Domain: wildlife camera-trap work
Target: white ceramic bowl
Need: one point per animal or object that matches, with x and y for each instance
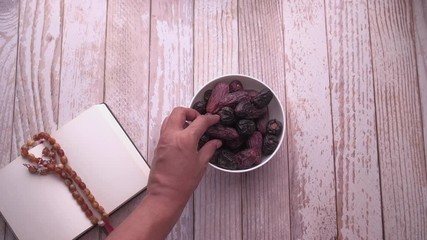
(275, 110)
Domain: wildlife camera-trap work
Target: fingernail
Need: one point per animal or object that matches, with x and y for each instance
(218, 144)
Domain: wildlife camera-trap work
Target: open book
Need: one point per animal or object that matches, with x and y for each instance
(98, 149)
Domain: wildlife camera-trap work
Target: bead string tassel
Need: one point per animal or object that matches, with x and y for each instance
(54, 160)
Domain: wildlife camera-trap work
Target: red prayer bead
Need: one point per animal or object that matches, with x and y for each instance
(24, 153)
(93, 220)
(44, 135)
(84, 207)
(75, 194)
(88, 213)
(90, 197)
(72, 187)
(45, 151)
(51, 166)
(58, 170)
(95, 204)
(30, 143)
(56, 146)
(77, 179)
(68, 182)
(68, 168)
(51, 140)
(31, 157)
(60, 152)
(80, 200)
(100, 209)
(64, 159)
(86, 191)
(82, 185)
(36, 137)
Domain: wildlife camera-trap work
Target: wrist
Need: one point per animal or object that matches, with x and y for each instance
(163, 198)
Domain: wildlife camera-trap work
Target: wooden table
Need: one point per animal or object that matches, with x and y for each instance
(351, 75)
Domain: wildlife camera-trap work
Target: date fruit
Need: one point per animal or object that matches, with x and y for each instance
(246, 127)
(261, 123)
(231, 99)
(270, 144)
(203, 140)
(235, 86)
(263, 98)
(245, 109)
(224, 159)
(207, 95)
(255, 142)
(246, 158)
(227, 116)
(218, 92)
(234, 144)
(274, 127)
(252, 93)
(200, 106)
(222, 132)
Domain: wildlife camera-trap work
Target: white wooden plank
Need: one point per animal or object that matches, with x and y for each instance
(310, 140)
(37, 83)
(37, 89)
(265, 192)
(217, 201)
(126, 75)
(9, 16)
(83, 53)
(353, 108)
(420, 15)
(82, 63)
(171, 78)
(399, 121)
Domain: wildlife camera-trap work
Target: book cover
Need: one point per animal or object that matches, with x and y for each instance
(99, 150)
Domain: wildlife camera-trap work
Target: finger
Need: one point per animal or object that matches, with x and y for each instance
(208, 150)
(179, 115)
(201, 123)
(164, 124)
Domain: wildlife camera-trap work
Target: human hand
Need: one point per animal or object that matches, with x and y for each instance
(177, 165)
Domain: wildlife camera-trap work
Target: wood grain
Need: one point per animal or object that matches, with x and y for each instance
(9, 16)
(83, 55)
(127, 64)
(217, 200)
(126, 75)
(37, 80)
(420, 15)
(351, 75)
(310, 140)
(265, 192)
(353, 108)
(399, 122)
(39, 56)
(171, 78)
(82, 65)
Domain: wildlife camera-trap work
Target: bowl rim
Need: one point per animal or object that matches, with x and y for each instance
(281, 109)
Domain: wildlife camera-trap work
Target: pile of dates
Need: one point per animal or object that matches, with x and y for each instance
(245, 128)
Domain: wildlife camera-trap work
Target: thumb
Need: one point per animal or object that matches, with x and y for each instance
(208, 150)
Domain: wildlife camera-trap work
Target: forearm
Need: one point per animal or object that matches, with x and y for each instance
(152, 219)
